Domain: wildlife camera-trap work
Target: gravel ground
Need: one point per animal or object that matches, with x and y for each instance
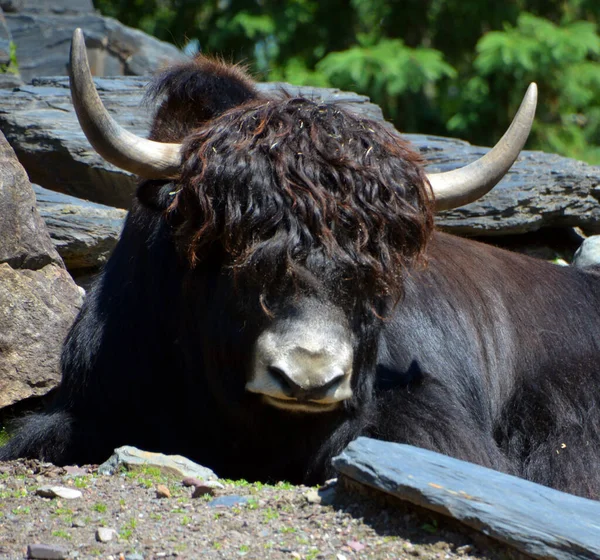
(276, 522)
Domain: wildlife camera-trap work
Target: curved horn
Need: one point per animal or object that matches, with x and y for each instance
(146, 158)
(462, 186)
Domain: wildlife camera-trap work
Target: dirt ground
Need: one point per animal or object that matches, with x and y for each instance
(280, 522)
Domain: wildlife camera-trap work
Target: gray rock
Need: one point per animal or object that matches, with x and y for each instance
(59, 6)
(541, 190)
(24, 242)
(105, 534)
(8, 80)
(588, 253)
(132, 458)
(84, 233)
(43, 39)
(38, 298)
(58, 492)
(46, 552)
(536, 520)
(5, 40)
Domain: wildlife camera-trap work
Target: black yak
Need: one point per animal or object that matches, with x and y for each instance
(279, 289)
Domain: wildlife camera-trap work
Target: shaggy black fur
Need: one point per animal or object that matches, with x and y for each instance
(462, 348)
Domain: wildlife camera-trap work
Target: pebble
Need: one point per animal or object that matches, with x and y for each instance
(162, 491)
(324, 496)
(134, 556)
(46, 552)
(75, 471)
(78, 523)
(104, 534)
(356, 545)
(58, 492)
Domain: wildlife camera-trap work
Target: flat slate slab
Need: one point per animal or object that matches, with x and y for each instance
(536, 520)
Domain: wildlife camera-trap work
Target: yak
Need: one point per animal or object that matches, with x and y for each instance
(279, 289)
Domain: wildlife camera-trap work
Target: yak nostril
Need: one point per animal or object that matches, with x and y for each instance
(283, 378)
(295, 390)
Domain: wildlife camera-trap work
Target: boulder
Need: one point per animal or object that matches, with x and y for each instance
(43, 39)
(540, 191)
(38, 298)
(537, 521)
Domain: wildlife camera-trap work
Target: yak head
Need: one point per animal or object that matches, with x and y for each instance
(306, 216)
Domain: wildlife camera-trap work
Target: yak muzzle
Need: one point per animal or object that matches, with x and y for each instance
(303, 365)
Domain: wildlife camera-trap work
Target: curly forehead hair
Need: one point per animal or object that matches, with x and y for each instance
(276, 181)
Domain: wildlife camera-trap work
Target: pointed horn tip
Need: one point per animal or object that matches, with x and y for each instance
(532, 92)
(77, 35)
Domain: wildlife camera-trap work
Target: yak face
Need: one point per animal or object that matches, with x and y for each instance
(308, 217)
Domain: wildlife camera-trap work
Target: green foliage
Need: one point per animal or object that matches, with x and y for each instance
(385, 70)
(13, 66)
(450, 67)
(563, 60)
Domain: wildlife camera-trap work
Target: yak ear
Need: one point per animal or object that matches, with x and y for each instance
(195, 92)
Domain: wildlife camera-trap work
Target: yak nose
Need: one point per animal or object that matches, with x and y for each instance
(306, 375)
(303, 367)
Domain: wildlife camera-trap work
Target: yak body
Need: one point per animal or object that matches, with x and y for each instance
(471, 351)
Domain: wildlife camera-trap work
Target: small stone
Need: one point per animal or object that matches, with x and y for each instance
(162, 491)
(104, 534)
(356, 546)
(465, 549)
(79, 523)
(312, 497)
(58, 492)
(134, 556)
(203, 490)
(132, 458)
(341, 557)
(46, 552)
(324, 496)
(75, 471)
